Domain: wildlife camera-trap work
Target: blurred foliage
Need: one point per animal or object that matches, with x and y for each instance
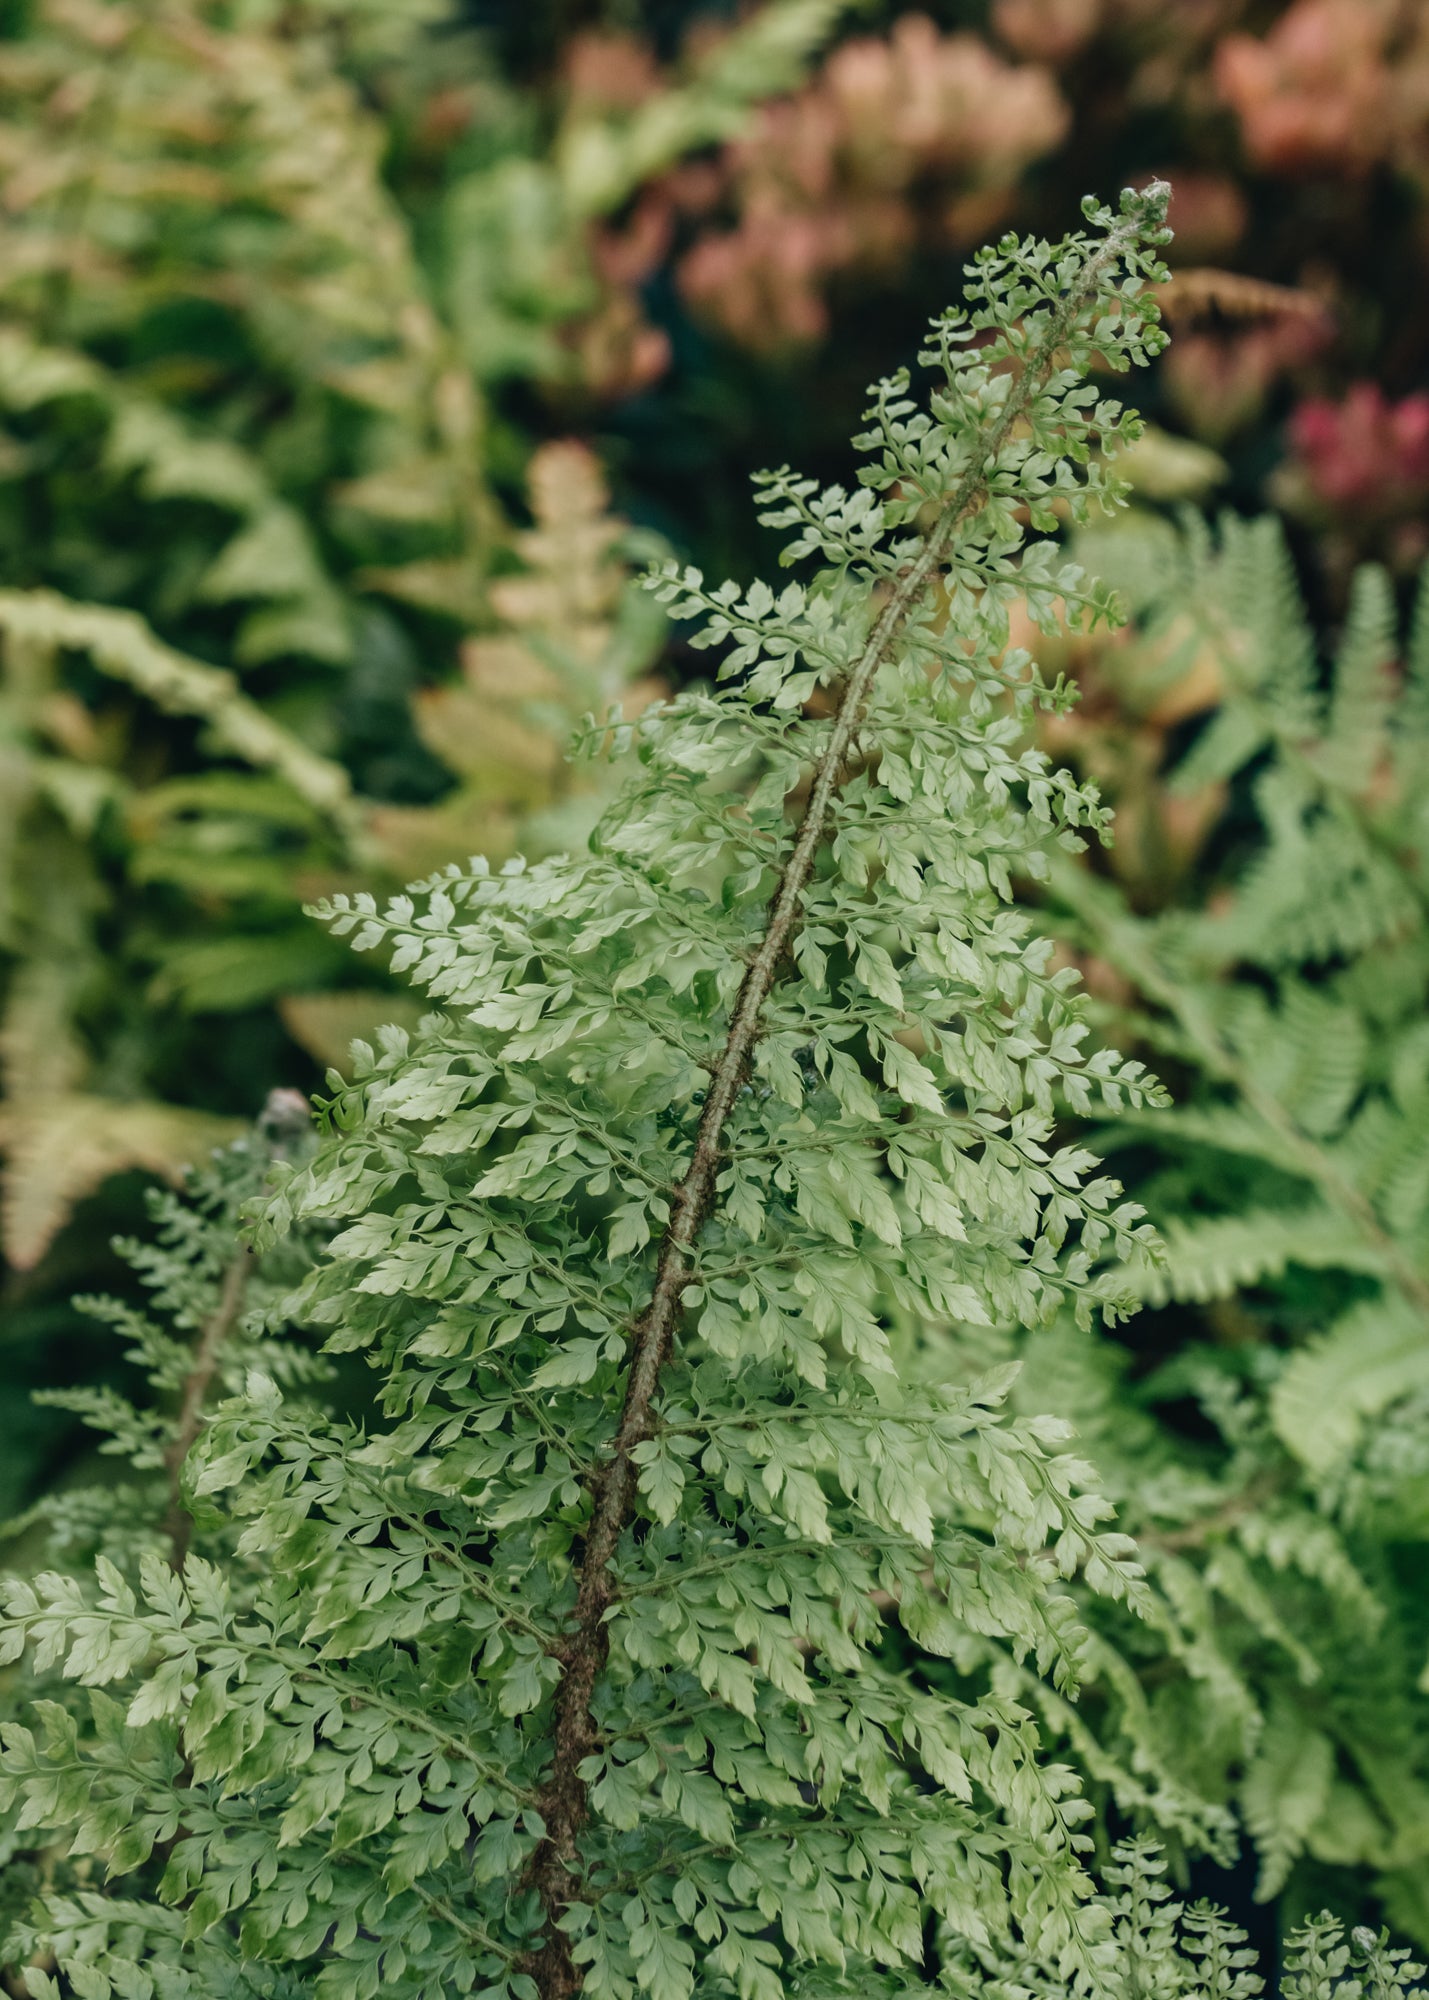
(269, 623)
(1259, 932)
(289, 294)
(1293, 135)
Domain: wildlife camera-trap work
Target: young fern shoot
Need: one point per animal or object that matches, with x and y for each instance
(569, 1678)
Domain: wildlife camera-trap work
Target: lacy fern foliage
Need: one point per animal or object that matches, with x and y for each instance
(208, 1317)
(254, 289)
(1291, 1185)
(567, 1675)
(1315, 1071)
(1152, 1947)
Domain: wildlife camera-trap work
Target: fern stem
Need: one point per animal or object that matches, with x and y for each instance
(282, 1121)
(564, 1800)
(178, 1524)
(1195, 1534)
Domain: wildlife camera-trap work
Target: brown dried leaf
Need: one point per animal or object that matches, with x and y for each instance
(572, 579)
(409, 842)
(418, 492)
(327, 1024)
(62, 1147)
(446, 586)
(481, 739)
(1190, 298)
(507, 668)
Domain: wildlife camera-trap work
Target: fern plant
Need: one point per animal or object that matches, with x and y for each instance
(210, 1319)
(1325, 1056)
(1268, 1451)
(566, 1676)
(183, 270)
(205, 1316)
(1152, 1947)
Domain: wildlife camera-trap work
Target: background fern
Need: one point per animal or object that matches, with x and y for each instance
(1256, 1424)
(269, 623)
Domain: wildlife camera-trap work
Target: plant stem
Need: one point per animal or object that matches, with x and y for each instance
(281, 1125)
(216, 1329)
(564, 1801)
(1195, 1534)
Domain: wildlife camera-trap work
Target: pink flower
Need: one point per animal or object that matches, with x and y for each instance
(610, 71)
(1051, 30)
(1218, 382)
(1315, 93)
(824, 181)
(1365, 452)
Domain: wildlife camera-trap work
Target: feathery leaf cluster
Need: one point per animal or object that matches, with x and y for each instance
(568, 1673)
(1287, 1531)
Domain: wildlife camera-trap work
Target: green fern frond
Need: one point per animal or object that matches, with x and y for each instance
(122, 645)
(1216, 1257)
(1152, 1947)
(1291, 1185)
(1377, 1352)
(1360, 897)
(1355, 737)
(1416, 681)
(1224, 1127)
(568, 1668)
(1284, 1793)
(1309, 1052)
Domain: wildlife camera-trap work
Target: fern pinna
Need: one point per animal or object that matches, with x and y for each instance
(1288, 1530)
(567, 1677)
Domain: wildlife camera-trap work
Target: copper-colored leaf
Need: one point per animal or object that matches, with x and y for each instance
(61, 1148)
(484, 741)
(327, 1024)
(1195, 296)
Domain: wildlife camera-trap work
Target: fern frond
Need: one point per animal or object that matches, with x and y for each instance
(1307, 1050)
(574, 638)
(1214, 1258)
(1225, 1127)
(571, 1663)
(1151, 1947)
(1291, 1185)
(122, 645)
(1284, 1793)
(1416, 680)
(1355, 738)
(1360, 898)
(60, 1148)
(211, 1314)
(1233, 1580)
(1375, 1353)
